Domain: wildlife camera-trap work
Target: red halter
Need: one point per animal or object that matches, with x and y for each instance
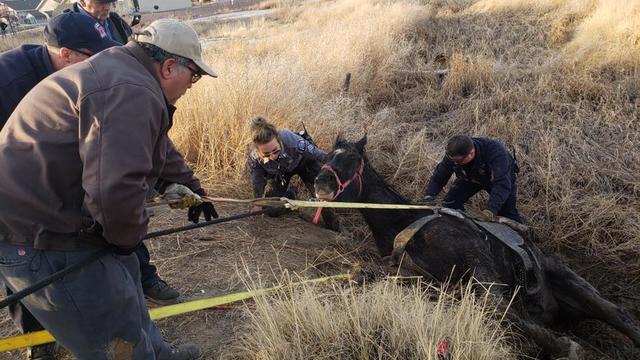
(342, 186)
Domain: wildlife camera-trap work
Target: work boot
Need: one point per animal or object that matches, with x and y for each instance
(42, 352)
(161, 293)
(185, 352)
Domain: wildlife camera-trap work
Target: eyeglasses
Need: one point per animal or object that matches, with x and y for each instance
(82, 52)
(271, 153)
(459, 160)
(195, 74)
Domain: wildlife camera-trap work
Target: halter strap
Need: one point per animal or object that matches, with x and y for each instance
(342, 186)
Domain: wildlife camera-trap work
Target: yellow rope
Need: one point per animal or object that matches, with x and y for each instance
(347, 205)
(294, 204)
(43, 337)
(273, 201)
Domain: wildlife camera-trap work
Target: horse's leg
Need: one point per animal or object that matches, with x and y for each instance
(556, 346)
(583, 300)
(551, 343)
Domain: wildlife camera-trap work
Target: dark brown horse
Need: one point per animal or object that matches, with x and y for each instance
(451, 248)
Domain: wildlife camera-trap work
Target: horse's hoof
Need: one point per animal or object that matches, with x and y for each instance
(574, 350)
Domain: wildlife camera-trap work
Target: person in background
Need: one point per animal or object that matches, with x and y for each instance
(480, 163)
(100, 10)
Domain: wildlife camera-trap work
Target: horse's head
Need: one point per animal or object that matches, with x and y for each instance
(340, 178)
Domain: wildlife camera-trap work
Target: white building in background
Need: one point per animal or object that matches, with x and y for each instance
(162, 5)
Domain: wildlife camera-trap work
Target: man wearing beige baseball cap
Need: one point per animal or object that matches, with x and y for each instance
(80, 155)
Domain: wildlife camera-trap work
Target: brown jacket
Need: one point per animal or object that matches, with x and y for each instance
(92, 136)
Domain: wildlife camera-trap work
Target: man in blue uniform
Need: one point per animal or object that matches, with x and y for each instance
(480, 163)
(70, 38)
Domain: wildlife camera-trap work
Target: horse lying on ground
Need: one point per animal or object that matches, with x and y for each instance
(448, 246)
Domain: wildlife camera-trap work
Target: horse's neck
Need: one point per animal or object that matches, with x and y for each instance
(384, 224)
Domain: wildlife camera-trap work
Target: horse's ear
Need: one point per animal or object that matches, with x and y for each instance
(339, 140)
(361, 144)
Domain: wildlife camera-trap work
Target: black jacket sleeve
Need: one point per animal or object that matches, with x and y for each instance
(440, 177)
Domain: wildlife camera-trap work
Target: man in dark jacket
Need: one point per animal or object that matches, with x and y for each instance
(155, 289)
(92, 140)
(116, 28)
(479, 164)
(70, 38)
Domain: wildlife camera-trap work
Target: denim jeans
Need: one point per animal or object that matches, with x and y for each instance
(26, 323)
(148, 273)
(95, 312)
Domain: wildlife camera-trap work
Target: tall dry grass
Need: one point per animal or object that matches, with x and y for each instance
(558, 80)
(381, 321)
(12, 40)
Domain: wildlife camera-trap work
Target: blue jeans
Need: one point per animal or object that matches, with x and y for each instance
(23, 319)
(95, 312)
(148, 273)
(27, 323)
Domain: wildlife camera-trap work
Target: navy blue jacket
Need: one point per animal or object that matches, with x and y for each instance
(492, 169)
(20, 70)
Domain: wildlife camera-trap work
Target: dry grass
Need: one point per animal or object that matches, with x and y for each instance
(556, 79)
(381, 321)
(10, 41)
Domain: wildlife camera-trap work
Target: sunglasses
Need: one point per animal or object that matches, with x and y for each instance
(195, 74)
(269, 154)
(459, 160)
(82, 52)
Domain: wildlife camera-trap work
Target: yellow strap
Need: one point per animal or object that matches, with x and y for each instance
(43, 337)
(293, 204)
(346, 205)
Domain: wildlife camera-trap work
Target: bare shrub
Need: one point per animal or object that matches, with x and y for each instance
(381, 321)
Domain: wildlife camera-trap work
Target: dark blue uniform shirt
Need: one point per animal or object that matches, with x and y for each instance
(492, 169)
(20, 70)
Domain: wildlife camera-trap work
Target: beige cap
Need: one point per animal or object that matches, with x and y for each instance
(177, 38)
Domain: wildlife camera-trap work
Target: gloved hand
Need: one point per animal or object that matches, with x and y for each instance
(181, 197)
(427, 200)
(206, 208)
(488, 215)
